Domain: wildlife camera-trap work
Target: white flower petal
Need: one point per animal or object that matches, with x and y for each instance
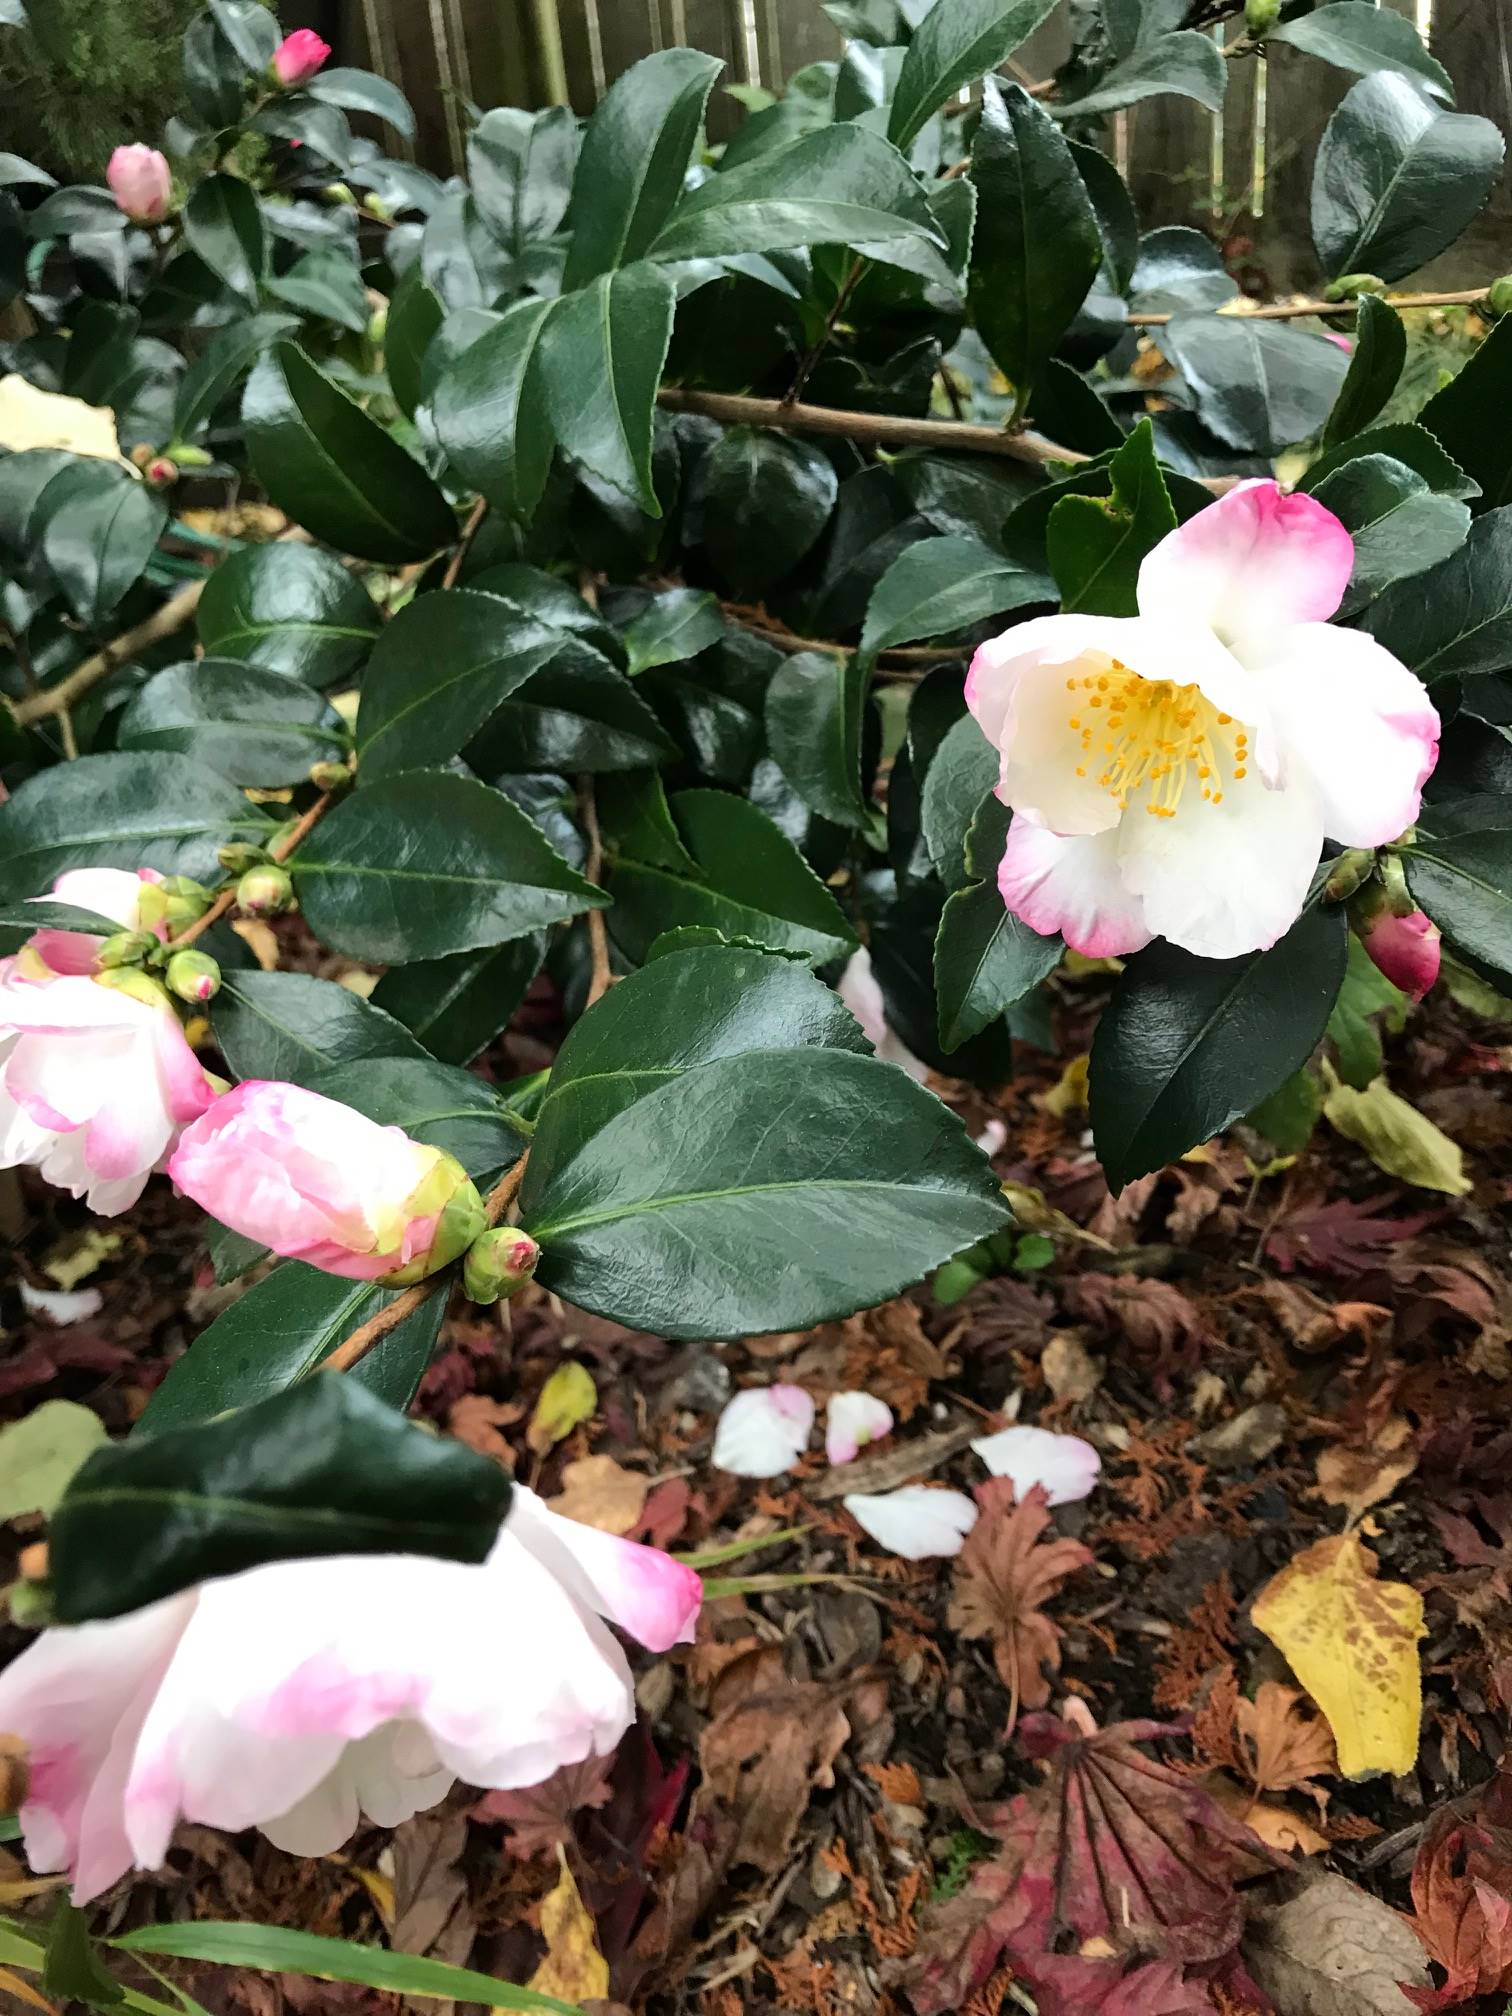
(1073, 885)
(916, 1522)
(859, 991)
(61, 1307)
(1065, 1465)
(851, 1420)
(763, 1432)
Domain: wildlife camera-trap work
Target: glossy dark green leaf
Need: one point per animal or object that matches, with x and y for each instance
(1464, 882)
(19, 920)
(675, 625)
(325, 286)
(291, 608)
(215, 77)
(1096, 544)
(127, 810)
(637, 821)
(814, 708)
(1037, 247)
(361, 91)
(322, 1468)
(751, 882)
(457, 1006)
(967, 495)
(275, 1949)
(1456, 417)
(766, 499)
(277, 1332)
(939, 587)
(841, 185)
(437, 672)
(1190, 1045)
(954, 46)
(1178, 268)
(97, 527)
(1397, 178)
(295, 1027)
(1066, 408)
(224, 227)
(335, 471)
(71, 1968)
(520, 167)
(1380, 351)
(552, 600)
(1260, 386)
(986, 960)
(427, 863)
(1399, 526)
(221, 365)
(414, 316)
(303, 120)
(70, 212)
(578, 713)
(634, 156)
(602, 353)
(1458, 618)
(16, 173)
(1185, 64)
(24, 476)
(251, 30)
(490, 414)
(436, 1103)
(255, 726)
(963, 770)
(684, 1009)
(1357, 35)
(1404, 441)
(1113, 206)
(687, 1213)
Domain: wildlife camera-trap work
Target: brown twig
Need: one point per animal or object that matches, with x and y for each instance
(911, 657)
(279, 851)
(1289, 311)
(602, 977)
(376, 1328)
(878, 430)
(469, 532)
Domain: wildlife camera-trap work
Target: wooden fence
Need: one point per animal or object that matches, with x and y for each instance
(1243, 173)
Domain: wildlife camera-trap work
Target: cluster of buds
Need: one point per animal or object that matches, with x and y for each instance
(1400, 939)
(263, 888)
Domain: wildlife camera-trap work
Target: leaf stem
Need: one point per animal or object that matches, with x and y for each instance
(279, 851)
(475, 518)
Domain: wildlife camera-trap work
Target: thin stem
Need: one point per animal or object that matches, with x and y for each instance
(821, 342)
(1289, 311)
(602, 976)
(469, 532)
(366, 1335)
(878, 430)
(279, 851)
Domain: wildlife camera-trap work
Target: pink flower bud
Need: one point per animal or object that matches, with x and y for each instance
(1406, 949)
(140, 182)
(298, 57)
(319, 1182)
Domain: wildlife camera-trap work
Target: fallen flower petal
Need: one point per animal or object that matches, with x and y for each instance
(851, 1421)
(916, 1522)
(1064, 1466)
(763, 1431)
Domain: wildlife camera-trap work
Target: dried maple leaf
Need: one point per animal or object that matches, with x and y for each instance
(1342, 1238)
(1467, 1547)
(1358, 1478)
(1286, 1745)
(596, 1491)
(1005, 1573)
(1114, 1859)
(539, 1817)
(1152, 1315)
(1462, 1906)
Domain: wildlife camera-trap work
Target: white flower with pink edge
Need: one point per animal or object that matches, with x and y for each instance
(96, 1076)
(301, 1696)
(1174, 774)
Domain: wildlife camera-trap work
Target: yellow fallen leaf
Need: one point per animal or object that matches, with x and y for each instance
(1069, 1094)
(568, 1398)
(75, 1258)
(1396, 1137)
(1352, 1642)
(574, 1969)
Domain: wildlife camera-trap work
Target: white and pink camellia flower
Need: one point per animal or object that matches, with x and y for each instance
(141, 182)
(315, 1180)
(96, 1076)
(298, 1696)
(1174, 774)
(1406, 949)
(299, 56)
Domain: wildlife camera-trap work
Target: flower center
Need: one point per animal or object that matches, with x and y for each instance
(1154, 737)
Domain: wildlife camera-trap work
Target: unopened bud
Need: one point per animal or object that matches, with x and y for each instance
(331, 776)
(160, 472)
(240, 855)
(193, 976)
(338, 192)
(265, 892)
(1499, 295)
(175, 901)
(125, 948)
(499, 1264)
(1260, 16)
(377, 328)
(450, 1197)
(1351, 284)
(376, 207)
(187, 456)
(1350, 872)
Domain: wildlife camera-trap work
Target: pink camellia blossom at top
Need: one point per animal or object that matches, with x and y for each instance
(315, 1180)
(96, 1075)
(141, 183)
(1406, 949)
(1174, 774)
(300, 1696)
(299, 56)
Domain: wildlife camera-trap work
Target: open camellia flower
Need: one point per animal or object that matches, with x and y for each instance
(1174, 774)
(297, 1696)
(317, 1181)
(96, 1075)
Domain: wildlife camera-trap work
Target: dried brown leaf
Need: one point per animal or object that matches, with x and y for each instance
(597, 1492)
(1005, 1574)
(1328, 1948)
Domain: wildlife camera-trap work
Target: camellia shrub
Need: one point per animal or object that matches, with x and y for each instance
(839, 575)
